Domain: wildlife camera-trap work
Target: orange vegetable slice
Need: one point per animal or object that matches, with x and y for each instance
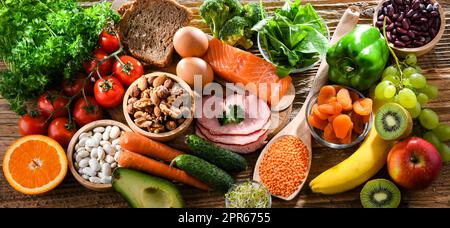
(342, 124)
(316, 112)
(35, 164)
(363, 106)
(317, 122)
(332, 108)
(343, 97)
(326, 93)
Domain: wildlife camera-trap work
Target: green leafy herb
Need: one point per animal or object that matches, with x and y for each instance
(234, 115)
(45, 41)
(294, 37)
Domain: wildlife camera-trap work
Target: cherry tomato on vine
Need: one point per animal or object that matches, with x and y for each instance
(104, 68)
(62, 130)
(72, 86)
(109, 41)
(33, 124)
(128, 70)
(52, 102)
(86, 111)
(108, 92)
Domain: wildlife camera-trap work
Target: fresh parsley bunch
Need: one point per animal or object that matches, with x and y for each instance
(45, 41)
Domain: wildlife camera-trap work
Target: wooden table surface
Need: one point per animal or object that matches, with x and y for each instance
(436, 65)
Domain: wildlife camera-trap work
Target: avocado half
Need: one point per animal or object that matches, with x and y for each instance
(144, 191)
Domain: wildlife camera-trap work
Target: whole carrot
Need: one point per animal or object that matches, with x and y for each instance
(136, 161)
(142, 145)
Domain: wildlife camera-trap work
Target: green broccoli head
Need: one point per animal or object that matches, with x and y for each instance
(237, 31)
(254, 12)
(217, 12)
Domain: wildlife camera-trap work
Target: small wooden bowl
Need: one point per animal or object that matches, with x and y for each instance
(71, 149)
(164, 136)
(418, 51)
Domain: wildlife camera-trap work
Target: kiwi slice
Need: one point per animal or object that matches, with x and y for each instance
(380, 193)
(392, 122)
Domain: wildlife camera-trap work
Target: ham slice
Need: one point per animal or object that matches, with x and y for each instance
(242, 149)
(234, 139)
(256, 114)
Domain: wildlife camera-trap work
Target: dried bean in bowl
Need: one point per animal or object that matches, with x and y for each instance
(414, 22)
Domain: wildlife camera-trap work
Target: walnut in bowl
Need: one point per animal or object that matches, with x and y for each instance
(159, 105)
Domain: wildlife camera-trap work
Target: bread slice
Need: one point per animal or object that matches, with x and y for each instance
(147, 28)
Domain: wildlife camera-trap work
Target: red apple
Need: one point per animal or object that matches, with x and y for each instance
(414, 163)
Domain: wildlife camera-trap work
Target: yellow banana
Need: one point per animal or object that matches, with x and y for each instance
(365, 162)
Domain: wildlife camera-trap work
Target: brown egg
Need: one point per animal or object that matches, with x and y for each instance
(190, 42)
(188, 67)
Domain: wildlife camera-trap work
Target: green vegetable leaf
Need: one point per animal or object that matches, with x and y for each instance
(234, 115)
(294, 37)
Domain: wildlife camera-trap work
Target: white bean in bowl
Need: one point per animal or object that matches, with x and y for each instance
(97, 154)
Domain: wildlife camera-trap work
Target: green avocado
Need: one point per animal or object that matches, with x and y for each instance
(144, 191)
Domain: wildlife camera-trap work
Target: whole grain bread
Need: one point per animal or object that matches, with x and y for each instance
(147, 28)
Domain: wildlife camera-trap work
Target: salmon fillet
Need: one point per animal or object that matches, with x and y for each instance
(238, 66)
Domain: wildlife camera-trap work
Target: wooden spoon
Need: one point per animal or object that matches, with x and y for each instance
(298, 126)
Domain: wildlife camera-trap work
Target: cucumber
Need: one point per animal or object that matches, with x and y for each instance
(223, 158)
(206, 172)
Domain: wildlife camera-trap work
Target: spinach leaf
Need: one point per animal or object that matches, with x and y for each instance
(294, 37)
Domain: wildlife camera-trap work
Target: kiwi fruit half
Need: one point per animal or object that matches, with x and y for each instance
(380, 193)
(392, 122)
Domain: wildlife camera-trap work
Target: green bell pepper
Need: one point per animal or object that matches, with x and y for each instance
(359, 58)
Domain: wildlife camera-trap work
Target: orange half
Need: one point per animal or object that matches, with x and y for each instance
(35, 164)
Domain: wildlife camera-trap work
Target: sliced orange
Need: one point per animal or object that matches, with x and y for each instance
(35, 164)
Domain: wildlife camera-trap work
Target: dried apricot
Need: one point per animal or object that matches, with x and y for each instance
(328, 134)
(343, 97)
(332, 108)
(347, 139)
(317, 122)
(316, 112)
(363, 106)
(342, 124)
(326, 93)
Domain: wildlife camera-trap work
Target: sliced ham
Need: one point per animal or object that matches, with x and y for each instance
(234, 139)
(256, 114)
(243, 149)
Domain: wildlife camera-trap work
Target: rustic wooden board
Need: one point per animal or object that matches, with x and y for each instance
(436, 65)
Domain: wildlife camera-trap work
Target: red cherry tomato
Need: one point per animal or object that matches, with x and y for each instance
(33, 124)
(104, 68)
(128, 71)
(108, 92)
(52, 102)
(73, 86)
(86, 111)
(109, 42)
(62, 131)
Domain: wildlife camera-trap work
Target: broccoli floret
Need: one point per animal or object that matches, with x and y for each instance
(254, 12)
(217, 12)
(237, 31)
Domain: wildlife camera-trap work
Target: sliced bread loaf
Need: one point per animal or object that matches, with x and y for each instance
(148, 26)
